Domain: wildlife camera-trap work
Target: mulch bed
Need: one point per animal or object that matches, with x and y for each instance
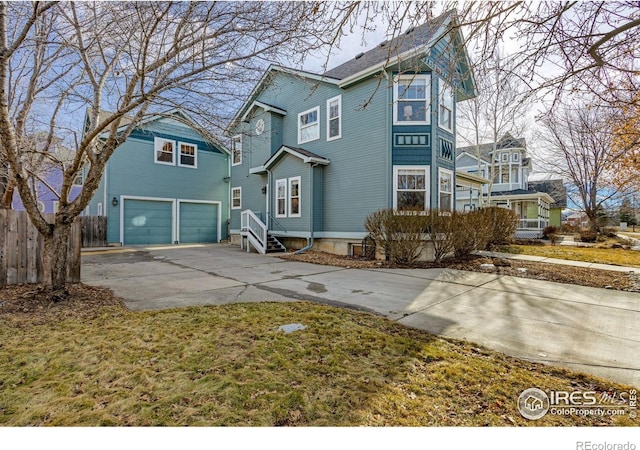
(540, 271)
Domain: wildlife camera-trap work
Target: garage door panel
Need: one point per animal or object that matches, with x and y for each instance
(198, 222)
(147, 222)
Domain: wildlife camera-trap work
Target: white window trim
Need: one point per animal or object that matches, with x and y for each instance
(317, 110)
(233, 149)
(157, 146)
(289, 198)
(427, 172)
(195, 155)
(281, 181)
(450, 173)
(442, 86)
(397, 78)
(56, 205)
(99, 209)
(239, 189)
(339, 135)
(515, 157)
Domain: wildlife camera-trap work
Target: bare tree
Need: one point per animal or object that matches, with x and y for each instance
(499, 108)
(579, 141)
(122, 62)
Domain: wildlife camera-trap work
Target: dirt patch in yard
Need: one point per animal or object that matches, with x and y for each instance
(30, 304)
(582, 276)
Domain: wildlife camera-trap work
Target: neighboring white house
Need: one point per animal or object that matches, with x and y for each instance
(508, 169)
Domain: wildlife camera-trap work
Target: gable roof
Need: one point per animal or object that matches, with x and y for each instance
(555, 188)
(175, 113)
(414, 38)
(413, 42)
(505, 142)
(305, 155)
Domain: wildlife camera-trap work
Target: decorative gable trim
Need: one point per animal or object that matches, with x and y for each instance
(304, 155)
(266, 107)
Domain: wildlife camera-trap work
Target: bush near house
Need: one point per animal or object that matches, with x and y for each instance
(402, 236)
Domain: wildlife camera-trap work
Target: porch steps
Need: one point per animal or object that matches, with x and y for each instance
(274, 245)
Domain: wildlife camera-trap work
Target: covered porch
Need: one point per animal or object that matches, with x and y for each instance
(469, 191)
(531, 208)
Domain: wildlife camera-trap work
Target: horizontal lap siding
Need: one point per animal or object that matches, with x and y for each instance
(357, 180)
(133, 172)
(291, 166)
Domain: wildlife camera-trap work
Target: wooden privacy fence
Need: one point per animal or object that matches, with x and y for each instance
(94, 231)
(22, 249)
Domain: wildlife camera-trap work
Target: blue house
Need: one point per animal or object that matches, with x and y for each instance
(48, 192)
(166, 184)
(314, 154)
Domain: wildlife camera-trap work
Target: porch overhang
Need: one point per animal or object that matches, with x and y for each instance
(304, 155)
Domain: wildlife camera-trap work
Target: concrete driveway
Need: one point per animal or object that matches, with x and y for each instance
(586, 329)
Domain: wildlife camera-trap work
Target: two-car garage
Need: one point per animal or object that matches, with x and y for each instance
(145, 221)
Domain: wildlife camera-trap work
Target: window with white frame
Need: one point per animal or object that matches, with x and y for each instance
(164, 151)
(445, 110)
(445, 189)
(504, 157)
(410, 188)
(236, 198)
(236, 150)
(334, 118)
(294, 197)
(515, 157)
(309, 125)
(411, 95)
(99, 208)
(56, 205)
(188, 155)
(281, 198)
(78, 180)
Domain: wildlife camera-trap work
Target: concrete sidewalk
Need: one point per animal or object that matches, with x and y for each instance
(586, 329)
(562, 262)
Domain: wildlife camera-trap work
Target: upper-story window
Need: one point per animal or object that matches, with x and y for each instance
(504, 157)
(515, 157)
(445, 110)
(164, 151)
(411, 95)
(236, 150)
(309, 125)
(334, 118)
(188, 155)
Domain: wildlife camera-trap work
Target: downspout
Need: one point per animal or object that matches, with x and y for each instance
(310, 238)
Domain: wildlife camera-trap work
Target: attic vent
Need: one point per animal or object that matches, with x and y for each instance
(410, 30)
(359, 55)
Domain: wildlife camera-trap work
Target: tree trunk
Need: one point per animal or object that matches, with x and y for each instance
(56, 251)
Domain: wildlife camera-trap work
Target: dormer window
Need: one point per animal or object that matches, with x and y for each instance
(412, 98)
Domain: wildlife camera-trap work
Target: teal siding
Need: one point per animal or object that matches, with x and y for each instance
(288, 167)
(147, 222)
(133, 172)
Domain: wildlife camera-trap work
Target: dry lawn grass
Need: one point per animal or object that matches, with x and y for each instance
(615, 256)
(229, 365)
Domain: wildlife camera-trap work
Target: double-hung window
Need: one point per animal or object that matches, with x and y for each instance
(445, 189)
(281, 198)
(410, 185)
(445, 110)
(294, 197)
(334, 118)
(188, 155)
(309, 125)
(236, 198)
(164, 151)
(236, 150)
(411, 95)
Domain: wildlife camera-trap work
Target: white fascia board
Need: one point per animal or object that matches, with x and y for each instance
(259, 169)
(267, 108)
